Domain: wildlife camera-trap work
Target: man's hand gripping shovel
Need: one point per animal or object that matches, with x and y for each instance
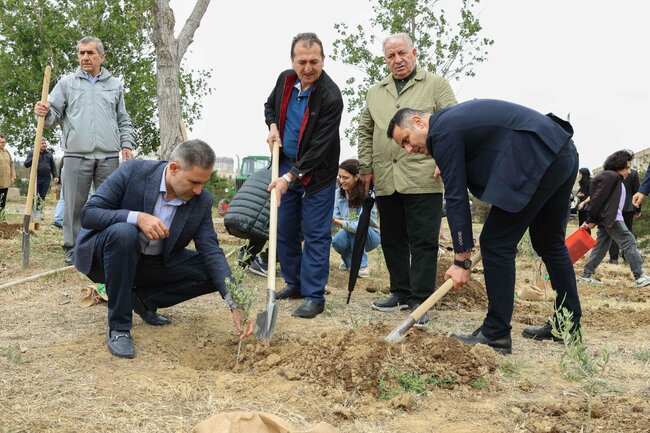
(399, 332)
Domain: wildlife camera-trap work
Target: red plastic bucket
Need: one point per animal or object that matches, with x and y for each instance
(579, 243)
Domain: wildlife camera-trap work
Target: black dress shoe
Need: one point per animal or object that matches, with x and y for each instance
(149, 316)
(542, 333)
(501, 345)
(120, 344)
(308, 309)
(288, 293)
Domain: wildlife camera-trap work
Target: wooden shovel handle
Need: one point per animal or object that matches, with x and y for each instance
(438, 294)
(273, 218)
(37, 143)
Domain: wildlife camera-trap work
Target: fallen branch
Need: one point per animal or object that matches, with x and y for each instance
(35, 277)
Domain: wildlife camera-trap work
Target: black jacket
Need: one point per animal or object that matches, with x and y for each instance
(319, 146)
(605, 195)
(248, 212)
(46, 164)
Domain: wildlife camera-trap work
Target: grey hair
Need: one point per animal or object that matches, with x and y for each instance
(403, 36)
(3, 136)
(194, 153)
(400, 118)
(89, 40)
(309, 39)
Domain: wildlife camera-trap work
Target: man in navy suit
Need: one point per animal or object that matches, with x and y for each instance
(135, 231)
(524, 164)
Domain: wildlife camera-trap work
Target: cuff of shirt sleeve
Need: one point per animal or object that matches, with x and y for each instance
(231, 302)
(133, 217)
(127, 145)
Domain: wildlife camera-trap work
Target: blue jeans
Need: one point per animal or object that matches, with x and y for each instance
(545, 216)
(58, 211)
(343, 242)
(305, 267)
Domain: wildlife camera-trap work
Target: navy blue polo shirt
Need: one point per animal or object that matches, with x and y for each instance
(295, 115)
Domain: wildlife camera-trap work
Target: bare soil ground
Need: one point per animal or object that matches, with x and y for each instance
(56, 374)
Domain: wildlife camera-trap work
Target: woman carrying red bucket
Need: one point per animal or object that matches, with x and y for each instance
(607, 197)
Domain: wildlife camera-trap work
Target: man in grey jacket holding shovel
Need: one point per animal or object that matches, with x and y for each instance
(89, 105)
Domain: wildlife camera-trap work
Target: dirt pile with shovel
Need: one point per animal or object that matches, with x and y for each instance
(361, 362)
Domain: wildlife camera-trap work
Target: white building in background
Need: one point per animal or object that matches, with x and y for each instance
(225, 167)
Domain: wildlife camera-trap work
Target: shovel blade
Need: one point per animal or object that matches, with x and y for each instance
(265, 321)
(397, 334)
(25, 248)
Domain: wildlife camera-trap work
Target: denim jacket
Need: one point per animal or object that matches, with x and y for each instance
(350, 216)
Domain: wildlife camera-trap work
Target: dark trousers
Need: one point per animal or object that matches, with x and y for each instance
(42, 187)
(118, 262)
(253, 248)
(410, 227)
(305, 266)
(546, 217)
(582, 218)
(3, 197)
(614, 248)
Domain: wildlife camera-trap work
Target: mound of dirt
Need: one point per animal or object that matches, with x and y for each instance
(362, 362)
(7, 230)
(471, 296)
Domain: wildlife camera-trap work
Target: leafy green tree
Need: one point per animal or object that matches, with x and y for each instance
(35, 32)
(449, 49)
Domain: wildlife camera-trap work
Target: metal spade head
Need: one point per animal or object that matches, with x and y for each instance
(265, 321)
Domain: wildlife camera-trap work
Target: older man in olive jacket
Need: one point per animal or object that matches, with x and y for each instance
(409, 198)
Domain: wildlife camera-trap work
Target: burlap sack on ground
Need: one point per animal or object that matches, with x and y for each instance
(253, 422)
(90, 296)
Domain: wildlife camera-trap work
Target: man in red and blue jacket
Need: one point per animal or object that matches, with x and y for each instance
(303, 113)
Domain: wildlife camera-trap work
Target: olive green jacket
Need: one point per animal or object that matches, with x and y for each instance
(393, 168)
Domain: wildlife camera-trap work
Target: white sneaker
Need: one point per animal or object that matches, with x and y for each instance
(643, 281)
(365, 273)
(591, 280)
(343, 267)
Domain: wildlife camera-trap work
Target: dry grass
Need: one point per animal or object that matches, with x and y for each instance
(56, 374)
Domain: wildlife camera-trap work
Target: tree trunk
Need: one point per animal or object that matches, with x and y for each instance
(169, 54)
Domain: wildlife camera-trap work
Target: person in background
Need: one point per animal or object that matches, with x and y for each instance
(631, 184)
(89, 105)
(348, 204)
(409, 198)
(7, 174)
(584, 178)
(247, 217)
(46, 172)
(303, 113)
(57, 219)
(607, 201)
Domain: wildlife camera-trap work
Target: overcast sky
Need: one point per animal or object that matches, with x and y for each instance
(587, 58)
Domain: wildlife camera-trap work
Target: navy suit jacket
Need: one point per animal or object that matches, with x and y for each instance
(496, 149)
(135, 186)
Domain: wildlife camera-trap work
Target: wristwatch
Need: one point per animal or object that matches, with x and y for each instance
(465, 264)
(288, 178)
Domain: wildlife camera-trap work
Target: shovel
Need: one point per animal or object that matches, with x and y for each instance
(397, 334)
(265, 322)
(32, 175)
